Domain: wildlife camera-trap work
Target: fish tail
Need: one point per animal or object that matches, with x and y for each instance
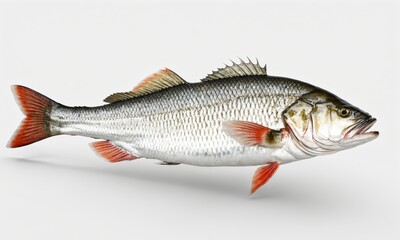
(36, 125)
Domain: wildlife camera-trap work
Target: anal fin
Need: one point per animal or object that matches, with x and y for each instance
(112, 152)
(262, 175)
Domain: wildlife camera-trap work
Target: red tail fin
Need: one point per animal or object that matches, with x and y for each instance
(35, 126)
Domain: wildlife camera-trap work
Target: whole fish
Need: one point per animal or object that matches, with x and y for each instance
(236, 116)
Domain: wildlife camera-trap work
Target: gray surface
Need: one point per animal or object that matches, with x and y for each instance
(80, 53)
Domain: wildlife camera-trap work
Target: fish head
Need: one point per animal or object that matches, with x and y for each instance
(322, 123)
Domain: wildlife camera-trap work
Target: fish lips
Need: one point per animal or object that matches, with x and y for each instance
(358, 134)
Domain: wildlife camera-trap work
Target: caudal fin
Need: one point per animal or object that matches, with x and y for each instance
(35, 126)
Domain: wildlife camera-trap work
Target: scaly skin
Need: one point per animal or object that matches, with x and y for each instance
(182, 124)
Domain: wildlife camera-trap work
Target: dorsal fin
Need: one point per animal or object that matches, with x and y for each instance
(162, 79)
(236, 70)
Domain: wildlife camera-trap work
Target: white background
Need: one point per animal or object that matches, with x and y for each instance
(79, 53)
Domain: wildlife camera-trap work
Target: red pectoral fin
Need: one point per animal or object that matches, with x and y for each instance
(262, 175)
(246, 133)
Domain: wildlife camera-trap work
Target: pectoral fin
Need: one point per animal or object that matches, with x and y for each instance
(252, 134)
(262, 175)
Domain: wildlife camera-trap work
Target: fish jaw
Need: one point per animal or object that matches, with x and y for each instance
(358, 134)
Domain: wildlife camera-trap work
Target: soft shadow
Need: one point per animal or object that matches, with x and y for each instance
(286, 190)
(308, 195)
(185, 179)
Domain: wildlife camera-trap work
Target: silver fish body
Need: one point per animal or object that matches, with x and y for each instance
(236, 116)
(183, 124)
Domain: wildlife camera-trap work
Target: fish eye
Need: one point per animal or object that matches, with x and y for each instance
(344, 112)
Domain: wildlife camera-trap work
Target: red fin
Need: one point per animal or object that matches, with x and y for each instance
(112, 152)
(262, 175)
(160, 80)
(246, 133)
(35, 126)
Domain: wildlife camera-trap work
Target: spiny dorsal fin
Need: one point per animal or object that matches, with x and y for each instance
(237, 70)
(162, 79)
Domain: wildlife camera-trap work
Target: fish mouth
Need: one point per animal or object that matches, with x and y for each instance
(359, 131)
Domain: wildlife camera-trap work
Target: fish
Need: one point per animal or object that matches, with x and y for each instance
(237, 115)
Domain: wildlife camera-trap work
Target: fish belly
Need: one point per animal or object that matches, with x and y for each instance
(195, 136)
